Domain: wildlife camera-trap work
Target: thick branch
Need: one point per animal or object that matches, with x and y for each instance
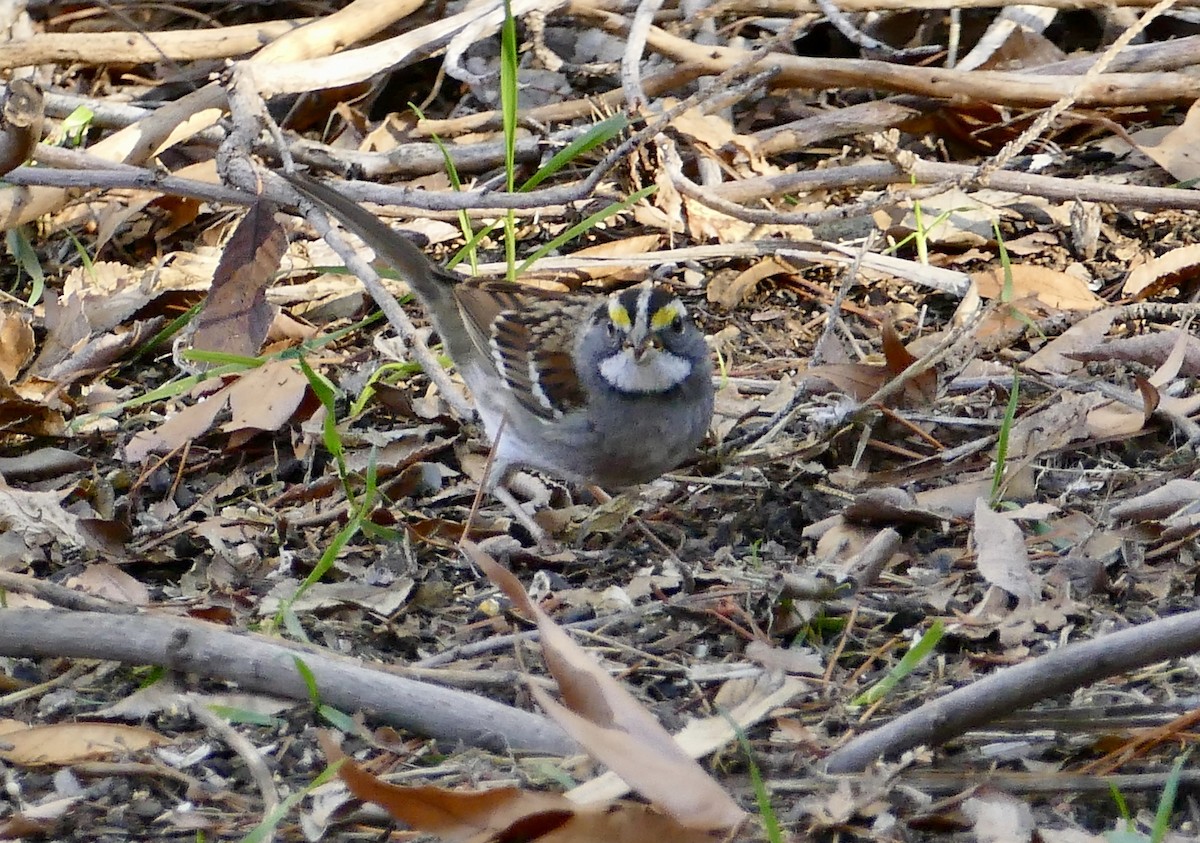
(999, 694)
(265, 667)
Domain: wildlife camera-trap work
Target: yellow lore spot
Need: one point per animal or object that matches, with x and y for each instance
(619, 315)
(666, 315)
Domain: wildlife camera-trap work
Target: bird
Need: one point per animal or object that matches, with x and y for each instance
(609, 390)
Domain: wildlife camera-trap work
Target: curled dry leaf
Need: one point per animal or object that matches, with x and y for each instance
(1159, 274)
(922, 387)
(613, 726)
(511, 814)
(16, 343)
(731, 289)
(21, 119)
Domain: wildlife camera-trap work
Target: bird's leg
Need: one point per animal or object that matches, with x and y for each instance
(494, 478)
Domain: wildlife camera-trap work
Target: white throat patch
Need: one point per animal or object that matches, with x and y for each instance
(658, 372)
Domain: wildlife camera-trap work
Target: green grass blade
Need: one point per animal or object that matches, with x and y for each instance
(585, 224)
(264, 829)
(310, 681)
(464, 219)
(601, 133)
(26, 258)
(1166, 802)
(907, 664)
(508, 107)
(1010, 415)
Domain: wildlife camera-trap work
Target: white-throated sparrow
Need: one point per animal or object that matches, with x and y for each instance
(610, 390)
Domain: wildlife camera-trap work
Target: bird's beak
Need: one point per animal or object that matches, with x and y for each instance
(642, 346)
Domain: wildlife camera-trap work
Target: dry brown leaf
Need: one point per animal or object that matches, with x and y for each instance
(510, 814)
(731, 289)
(889, 505)
(919, 389)
(16, 343)
(1159, 274)
(106, 580)
(236, 316)
(707, 225)
(1052, 288)
(638, 244)
(1000, 553)
(72, 742)
(857, 380)
(712, 130)
(1178, 150)
(1113, 419)
(186, 425)
(266, 398)
(28, 415)
(1055, 356)
(39, 518)
(614, 727)
(956, 500)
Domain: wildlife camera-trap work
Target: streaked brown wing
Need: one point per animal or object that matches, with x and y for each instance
(531, 352)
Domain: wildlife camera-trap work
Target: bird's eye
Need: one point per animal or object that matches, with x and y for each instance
(677, 325)
(612, 328)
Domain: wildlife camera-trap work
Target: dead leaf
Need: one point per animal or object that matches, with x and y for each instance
(186, 425)
(266, 398)
(731, 289)
(1055, 357)
(236, 317)
(1178, 150)
(21, 415)
(72, 742)
(613, 726)
(1052, 288)
(1000, 553)
(106, 580)
(16, 343)
(919, 389)
(22, 115)
(510, 814)
(858, 380)
(39, 518)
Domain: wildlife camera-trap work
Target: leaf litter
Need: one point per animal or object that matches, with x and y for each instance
(813, 536)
